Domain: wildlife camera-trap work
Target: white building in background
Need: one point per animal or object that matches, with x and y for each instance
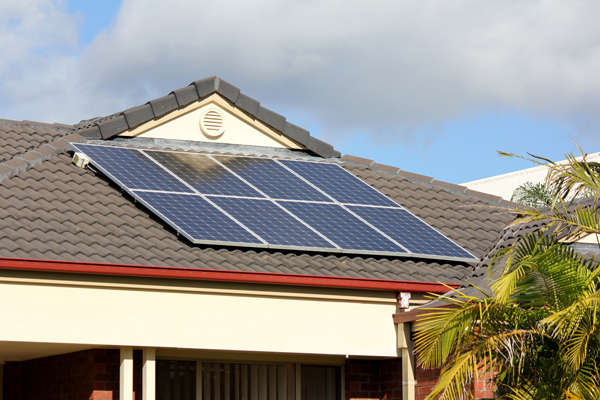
(504, 185)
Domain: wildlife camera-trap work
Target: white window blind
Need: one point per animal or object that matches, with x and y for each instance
(233, 381)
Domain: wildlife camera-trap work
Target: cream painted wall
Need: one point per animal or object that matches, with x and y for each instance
(180, 319)
(187, 127)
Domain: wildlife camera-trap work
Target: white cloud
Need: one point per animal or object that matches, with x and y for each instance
(382, 66)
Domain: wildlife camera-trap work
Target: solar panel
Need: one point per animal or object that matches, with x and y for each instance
(260, 202)
(204, 174)
(271, 222)
(271, 178)
(409, 231)
(132, 169)
(341, 227)
(338, 183)
(196, 218)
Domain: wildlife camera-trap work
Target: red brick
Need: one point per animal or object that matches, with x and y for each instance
(371, 387)
(354, 369)
(101, 395)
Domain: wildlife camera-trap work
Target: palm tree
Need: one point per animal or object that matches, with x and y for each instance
(532, 195)
(537, 327)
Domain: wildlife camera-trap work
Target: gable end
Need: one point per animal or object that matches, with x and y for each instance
(110, 126)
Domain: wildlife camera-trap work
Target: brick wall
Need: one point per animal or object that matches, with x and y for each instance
(391, 379)
(426, 380)
(482, 388)
(83, 375)
(373, 379)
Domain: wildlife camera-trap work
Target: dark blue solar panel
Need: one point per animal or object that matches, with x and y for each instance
(410, 232)
(196, 218)
(271, 222)
(132, 168)
(338, 183)
(271, 178)
(204, 174)
(200, 221)
(341, 227)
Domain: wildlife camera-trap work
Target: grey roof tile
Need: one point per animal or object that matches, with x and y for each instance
(206, 86)
(320, 147)
(227, 90)
(138, 115)
(271, 118)
(111, 126)
(296, 133)
(185, 95)
(163, 105)
(92, 132)
(248, 104)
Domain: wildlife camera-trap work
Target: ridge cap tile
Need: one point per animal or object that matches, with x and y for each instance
(163, 105)
(186, 95)
(227, 90)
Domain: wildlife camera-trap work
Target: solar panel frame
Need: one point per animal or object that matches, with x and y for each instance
(162, 185)
(360, 188)
(268, 184)
(343, 230)
(348, 207)
(143, 196)
(404, 238)
(272, 226)
(204, 181)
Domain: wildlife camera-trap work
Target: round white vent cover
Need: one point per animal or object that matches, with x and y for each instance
(212, 123)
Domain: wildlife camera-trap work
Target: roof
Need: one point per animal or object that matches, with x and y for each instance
(112, 125)
(480, 280)
(504, 185)
(54, 210)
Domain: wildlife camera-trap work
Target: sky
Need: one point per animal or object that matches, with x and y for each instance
(431, 86)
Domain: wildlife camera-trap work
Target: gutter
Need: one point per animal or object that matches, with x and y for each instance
(23, 264)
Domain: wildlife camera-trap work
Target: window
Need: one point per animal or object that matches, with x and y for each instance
(176, 380)
(228, 381)
(320, 382)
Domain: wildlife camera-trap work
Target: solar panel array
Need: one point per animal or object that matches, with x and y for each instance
(263, 202)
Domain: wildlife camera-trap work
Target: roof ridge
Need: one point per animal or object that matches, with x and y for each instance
(26, 160)
(428, 180)
(33, 124)
(111, 125)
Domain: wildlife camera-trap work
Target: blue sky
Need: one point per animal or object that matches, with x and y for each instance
(433, 87)
(95, 15)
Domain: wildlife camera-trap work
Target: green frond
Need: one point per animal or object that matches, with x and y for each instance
(539, 329)
(442, 329)
(470, 363)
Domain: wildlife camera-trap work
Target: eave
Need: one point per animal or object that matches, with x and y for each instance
(22, 264)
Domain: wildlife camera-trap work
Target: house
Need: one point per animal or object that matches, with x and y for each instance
(505, 185)
(109, 297)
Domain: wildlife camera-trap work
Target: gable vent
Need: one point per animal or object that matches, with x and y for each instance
(212, 123)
